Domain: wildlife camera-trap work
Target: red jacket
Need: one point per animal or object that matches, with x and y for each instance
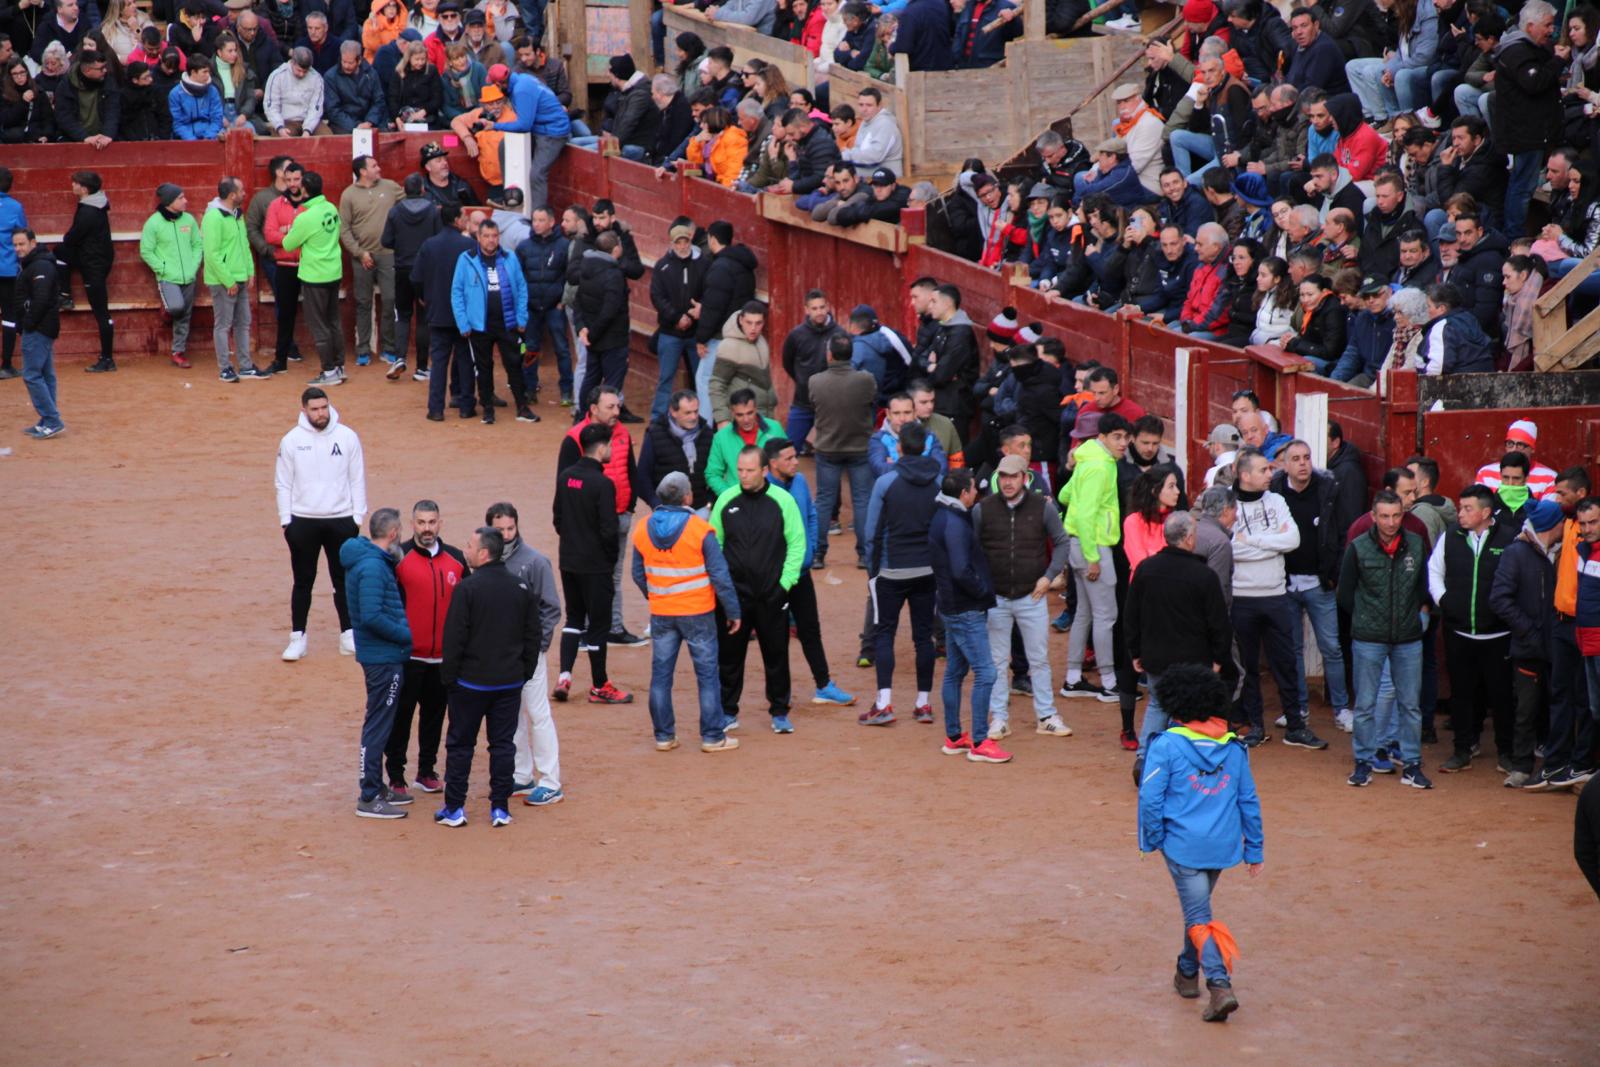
(435, 44)
(1361, 152)
(617, 468)
(810, 35)
(280, 216)
(426, 584)
(1203, 287)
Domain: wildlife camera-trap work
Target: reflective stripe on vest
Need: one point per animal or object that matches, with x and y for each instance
(676, 578)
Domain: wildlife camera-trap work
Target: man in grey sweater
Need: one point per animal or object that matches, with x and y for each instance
(842, 401)
(293, 101)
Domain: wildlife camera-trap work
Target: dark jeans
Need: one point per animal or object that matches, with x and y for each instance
(449, 359)
(95, 288)
(888, 594)
(322, 315)
(1529, 684)
(307, 538)
(609, 365)
(286, 306)
(768, 623)
(699, 634)
(588, 598)
(383, 695)
(798, 426)
(469, 708)
(808, 627)
(1570, 739)
(553, 320)
(830, 468)
(422, 687)
(483, 346)
(408, 306)
(1269, 619)
(1480, 683)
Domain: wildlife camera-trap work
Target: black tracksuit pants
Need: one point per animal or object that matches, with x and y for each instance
(768, 623)
(468, 709)
(808, 627)
(1480, 687)
(588, 598)
(483, 346)
(307, 538)
(422, 687)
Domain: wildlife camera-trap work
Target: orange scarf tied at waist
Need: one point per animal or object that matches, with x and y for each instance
(1216, 931)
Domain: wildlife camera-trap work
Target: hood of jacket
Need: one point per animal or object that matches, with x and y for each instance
(97, 200)
(731, 332)
(357, 549)
(415, 209)
(666, 525)
(918, 470)
(958, 319)
(333, 423)
(194, 88)
(739, 254)
(1516, 36)
(1204, 743)
(1346, 111)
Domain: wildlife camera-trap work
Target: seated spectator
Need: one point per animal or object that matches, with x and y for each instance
(1331, 186)
(1385, 223)
(845, 126)
(122, 24)
(637, 118)
(1340, 245)
(1060, 266)
(842, 186)
(1142, 129)
(877, 142)
(716, 74)
(718, 150)
(1028, 220)
(924, 35)
(53, 69)
(976, 214)
(448, 31)
(880, 64)
(1277, 298)
(853, 41)
(1316, 60)
(196, 106)
(766, 84)
(1060, 160)
(261, 50)
(1251, 192)
(1398, 81)
(1304, 228)
(1478, 279)
(1203, 310)
(1215, 118)
(1371, 336)
(236, 84)
(382, 26)
(60, 23)
(1418, 265)
(1278, 141)
(810, 151)
(1217, 188)
(1302, 265)
(759, 15)
(416, 96)
(1449, 250)
(1410, 307)
(145, 114)
(193, 32)
(462, 81)
(168, 71)
(886, 199)
(294, 100)
(1319, 327)
(1232, 316)
(1470, 164)
(1182, 205)
(677, 118)
(88, 105)
(323, 46)
(1452, 340)
(1105, 252)
(805, 26)
(1162, 284)
(1277, 242)
(1112, 175)
(26, 116)
(1258, 33)
(352, 93)
(484, 46)
(1523, 280)
(982, 29)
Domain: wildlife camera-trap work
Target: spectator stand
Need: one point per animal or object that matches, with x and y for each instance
(1557, 346)
(746, 42)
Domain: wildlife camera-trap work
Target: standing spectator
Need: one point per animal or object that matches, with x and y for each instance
(12, 218)
(1093, 526)
(321, 484)
(899, 569)
(432, 278)
(842, 399)
(1523, 595)
(1569, 741)
(744, 363)
(410, 222)
(88, 103)
(170, 246)
(679, 568)
(196, 106)
(730, 284)
(600, 314)
(382, 638)
(315, 234)
(1021, 537)
(676, 285)
(294, 102)
(677, 441)
(229, 267)
(805, 353)
(285, 284)
(963, 593)
(605, 408)
(1526, 105)
(951, 362)
(492, 641)
(543, 259)
(925, 35)
(585, 516)
(428, 573)
(1521, 436)
(490, 302)
(1200, 827)
(363, 215)
(763, 540)
(39, 321)
(539, 101)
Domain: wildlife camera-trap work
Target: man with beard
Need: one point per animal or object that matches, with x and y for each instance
(805, 352)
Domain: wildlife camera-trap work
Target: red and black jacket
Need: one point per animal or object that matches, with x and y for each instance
(426, 584)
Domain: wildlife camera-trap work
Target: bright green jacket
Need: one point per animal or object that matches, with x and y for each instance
(171, 247)
(722, 465)
(1090, 497)
(749, 556)
(316, 233)
(227, 246)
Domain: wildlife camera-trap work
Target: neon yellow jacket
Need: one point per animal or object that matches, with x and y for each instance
(1090, 497)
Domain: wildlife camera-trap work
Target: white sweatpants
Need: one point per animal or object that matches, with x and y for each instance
(536, 734)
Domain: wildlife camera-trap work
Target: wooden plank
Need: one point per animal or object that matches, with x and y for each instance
(639, 35)
(794, 61)
(572, 19)
(879, 235)
(1569, 342)
(1558, 293)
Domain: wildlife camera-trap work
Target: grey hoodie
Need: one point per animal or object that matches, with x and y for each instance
(291, 99)
(532, 567)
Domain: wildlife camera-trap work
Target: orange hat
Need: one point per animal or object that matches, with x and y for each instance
(490, 94)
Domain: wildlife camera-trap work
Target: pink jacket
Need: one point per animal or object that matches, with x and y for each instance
(1141, 540)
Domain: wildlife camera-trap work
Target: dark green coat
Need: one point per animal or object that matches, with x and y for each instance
(1384, 594)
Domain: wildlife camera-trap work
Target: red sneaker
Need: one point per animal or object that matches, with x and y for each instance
(429, 783)
(181, 360)
(1130, 743)
(609, 694)
(563, 690)
(876, 716)
(957, 746)
(989, 752)
(922, 712)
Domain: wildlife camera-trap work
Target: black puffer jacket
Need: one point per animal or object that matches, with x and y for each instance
(87, 244)
(814, 154)
(953, 370)
(1526, 106)
(25, 121)
(602, 306)
(1324, 338)
(730, 284)
(675, 283)
(638, 119)
(38, 298)
(805, 352)
(875, 210)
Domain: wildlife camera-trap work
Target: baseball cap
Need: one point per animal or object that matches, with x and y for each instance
(1525, 431)
(882, 176)
(432, 150)
(1087, 425)
(1012, 465)
(1372, 285)
(680, 231)
(1224, 433)
(1447, 233)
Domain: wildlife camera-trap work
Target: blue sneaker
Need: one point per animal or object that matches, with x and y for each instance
(1414, 777)
(782, 725)
(499, 817)
(389, 357)
(1381, 763)
(1362, 775)
(451, 816)
(832, 694)
(1063, 622)
(363, 359)
(541, 796)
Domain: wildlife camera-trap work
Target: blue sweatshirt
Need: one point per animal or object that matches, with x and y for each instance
(1197, 799)
(808, 511)
(537, 109)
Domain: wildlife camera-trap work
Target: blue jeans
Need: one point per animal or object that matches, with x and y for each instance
(1405, 667)
(555, 321)
(699, 632)
(702, 385)
(1320, 604)
(1377, 99)
(1189, 151)
(39, 375)
(658, 37)
(797, 427)
(1194, 894)
(670, 351)
(634, 152)
(1524, 177)
(1467, 97)
(1155, 718)
(966, 647)
(383, 697)
(1590, 286)
(829, 471)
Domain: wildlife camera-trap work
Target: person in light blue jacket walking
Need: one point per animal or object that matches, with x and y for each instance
(1198, 808)
(489, 300)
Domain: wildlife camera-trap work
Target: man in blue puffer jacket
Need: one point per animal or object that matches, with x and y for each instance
(196, 106)
(539, 113)
(1198, 807)
(489, 300)
(543, 259)
(383, 644)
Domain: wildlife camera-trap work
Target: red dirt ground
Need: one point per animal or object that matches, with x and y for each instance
(186, 880)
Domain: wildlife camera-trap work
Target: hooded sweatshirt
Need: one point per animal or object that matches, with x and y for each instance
(408, 224)
(1264, 533)
(226, 246)
(321, 473)
(741, 364)
(170, 246)
(1197, 799)
(898, 519)
(664, 527)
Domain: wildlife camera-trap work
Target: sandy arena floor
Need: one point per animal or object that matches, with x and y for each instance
(186, 880)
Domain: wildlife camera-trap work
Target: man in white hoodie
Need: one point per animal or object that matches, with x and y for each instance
(322, 501)
(1263, 534)
(878, 141)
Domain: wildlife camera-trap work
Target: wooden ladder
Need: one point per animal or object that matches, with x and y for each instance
(1557, 346)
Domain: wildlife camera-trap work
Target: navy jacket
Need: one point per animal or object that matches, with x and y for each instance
(435, 271)
(924, 34)
(1188, 214)
(1122, 185)
(1467, 348)
(960, 569)
(899, 514)
(377, 614)
(1366, 346)
(1172, 283)
(351, 99)
(544, 268)
(861, 42)
(988, 46)
(1523, 595)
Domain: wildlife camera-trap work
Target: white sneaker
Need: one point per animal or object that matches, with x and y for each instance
(296, 648)
(1053, 726)
(347, 642)
(1345, 720)
(1281, 721)
(1127, 24)
(1428, 118)
(999, 731)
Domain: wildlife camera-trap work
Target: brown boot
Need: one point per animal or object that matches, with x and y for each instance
(1188, 988)
(1223, 1004)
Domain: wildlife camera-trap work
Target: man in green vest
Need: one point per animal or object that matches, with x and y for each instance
(170, 247)
(229, 267)
(316, 234)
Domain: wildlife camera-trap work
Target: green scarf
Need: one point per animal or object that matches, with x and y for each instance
(1514, 496)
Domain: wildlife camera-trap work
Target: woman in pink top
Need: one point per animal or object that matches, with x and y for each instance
(1153, 496)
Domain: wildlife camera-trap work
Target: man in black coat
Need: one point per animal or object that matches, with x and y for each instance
(87, 247)
(1470, 164)
(730, 283)
(1478, 273)
(676, 284)
(585, 517)
(1526, 105)
(1523, 595)
(805, 352)
(601, 315)
(951, 362)
(676, 122)
(87, 90)
(638, 118)
(410, 223)
(811, 150)
(39, 321)
(449, 356)
(888, 199)
(1388, 219)
(677, 440)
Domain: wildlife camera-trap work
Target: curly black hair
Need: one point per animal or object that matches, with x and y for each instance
(1192, 693)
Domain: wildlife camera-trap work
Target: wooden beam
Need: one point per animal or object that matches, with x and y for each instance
(794, 61)
(573, 26)
(879, 235)
(639, 36)
(1033, 21)
(1569, 342)
(1563, 289)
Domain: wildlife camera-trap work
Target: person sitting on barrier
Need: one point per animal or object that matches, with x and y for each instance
(1319, 328)
(1371, 336)
(1060, 266)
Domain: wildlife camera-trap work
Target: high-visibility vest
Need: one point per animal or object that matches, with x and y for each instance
(676, 578)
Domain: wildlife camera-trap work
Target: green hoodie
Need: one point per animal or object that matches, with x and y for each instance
(227, 246)
(1090, 498)
(722, 464)
(171, 247)
(316, 233)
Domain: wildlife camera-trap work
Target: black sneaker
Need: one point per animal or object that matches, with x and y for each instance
(488, 417)
(498, 401)
(1571, 777)
(467, 413)
(229, 375)
(1304, 738)
(1458, 761)
(629, 417)
(1084, 688)
(525, 414)
(1414, 777)
(255, 374)
(819, 563)
(435, 416)
(626, 639)
(1545, 780)
(1021, 687)
(99, 366)
(1430, 736)
(1254, 736)
(296, 357)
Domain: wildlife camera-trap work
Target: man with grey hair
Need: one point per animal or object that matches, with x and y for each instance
(1215, 513)
(383, 644)
(1175, 613)
(1060, 159)
(1525, 109)
(678, 566)
(293, 100)
(353, 94)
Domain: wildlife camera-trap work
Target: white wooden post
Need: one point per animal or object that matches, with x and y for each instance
(1311, 425)
(518, 161)
(363, 143)
(1180, 406)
